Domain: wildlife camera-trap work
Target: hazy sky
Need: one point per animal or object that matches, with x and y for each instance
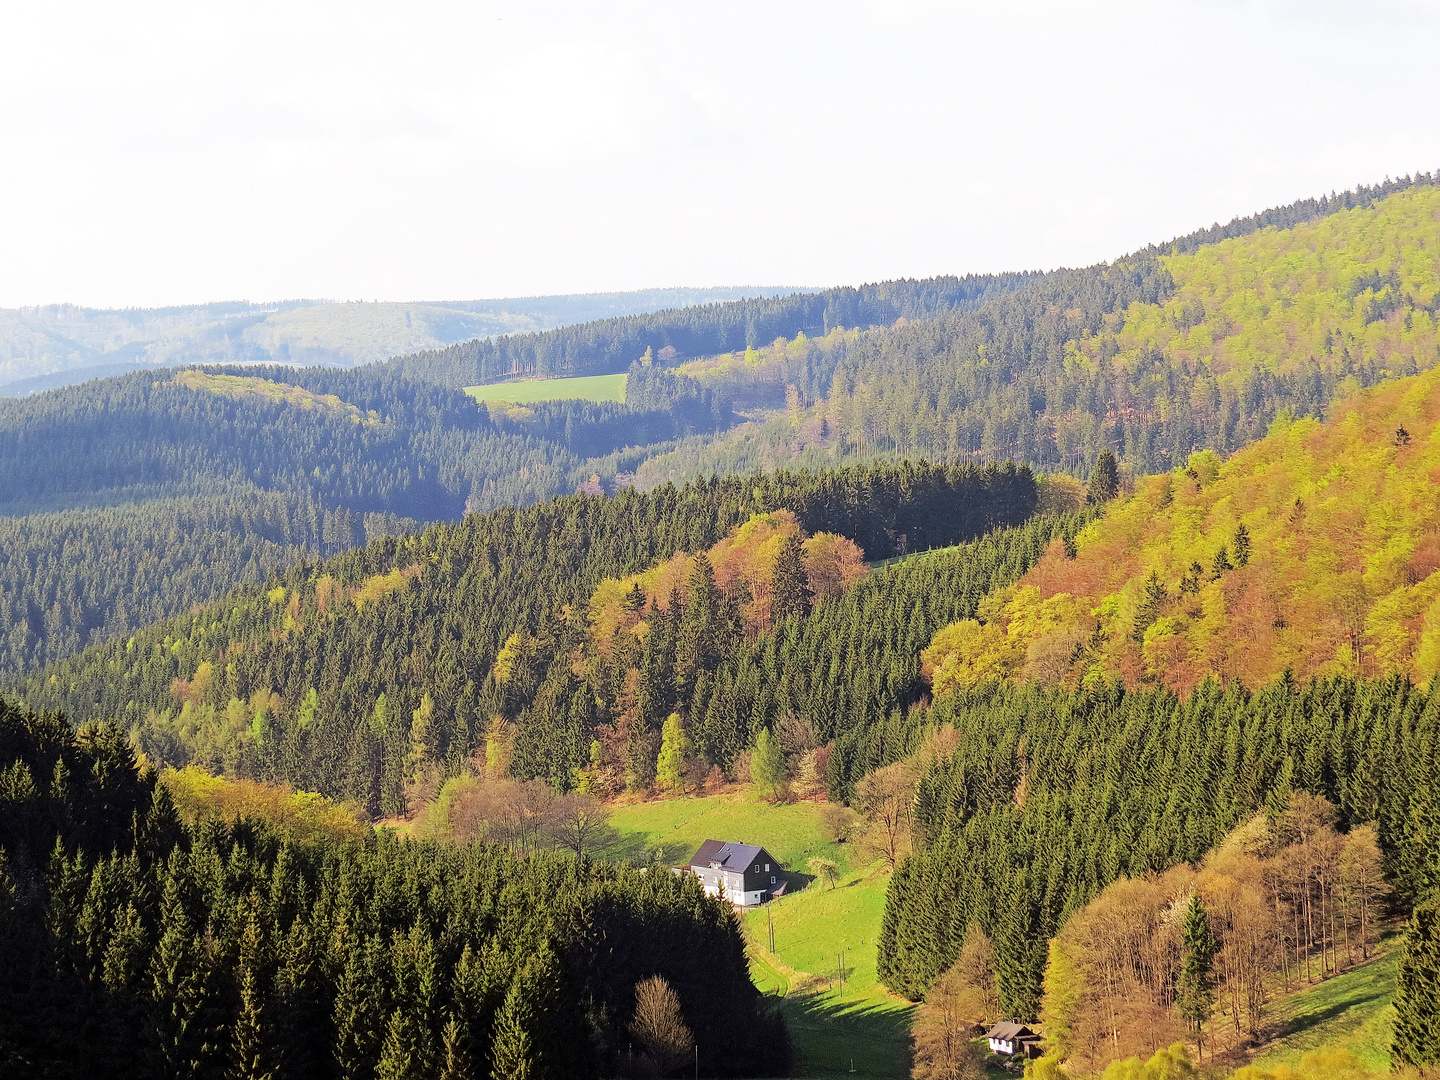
(167, 153)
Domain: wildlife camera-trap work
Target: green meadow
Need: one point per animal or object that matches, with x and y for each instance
(1352, 1010)
(858, 1030)
(589, 387)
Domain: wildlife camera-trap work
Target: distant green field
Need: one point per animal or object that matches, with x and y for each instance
(865, 1026)
(589, 387)
(1352, 1010)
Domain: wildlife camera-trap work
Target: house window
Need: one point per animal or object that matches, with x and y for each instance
(772, 879)
(767, 869)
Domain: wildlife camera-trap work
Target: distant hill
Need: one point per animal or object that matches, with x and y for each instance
(1315, 550)
(1197, 343)
(59, 344)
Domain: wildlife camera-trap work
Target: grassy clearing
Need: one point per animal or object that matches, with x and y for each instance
(864, 1026)
(861, 1026)
(814, 926)
(1352, 1010)
(676, 827)
(589, 387)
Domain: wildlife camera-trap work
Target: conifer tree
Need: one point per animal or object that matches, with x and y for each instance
(708, 628)
(1152, 601)
(1221, 564)
(1241, 545)
(1190, 583)
(421, 735)
(454, 1059)
(399, 1059)
(1104, 479)
(790, 586)
(357, 1011)
(513, 1049)
(1195, 992)
(1417, 993)
(249, 1052)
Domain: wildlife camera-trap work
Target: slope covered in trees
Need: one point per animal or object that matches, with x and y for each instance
(1313, 550)
(54, 345)
(348, 677)
(1047, 368)
(703, 330)
(136, 497)
(1054, 794)
(132, 945)
(1159, 355)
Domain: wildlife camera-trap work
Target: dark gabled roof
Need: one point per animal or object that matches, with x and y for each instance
(728, 855)
(1009, 1032)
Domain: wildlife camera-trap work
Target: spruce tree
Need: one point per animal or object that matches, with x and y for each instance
(790, 585)
(1241, 545)
(1152, 602)
(1221, 563)
(1190, 583)
(1417, 993)
(1198, 946)
(249, 1054)
(513, 1049)
(454, 1059)
(177, 980)
(1104, 479)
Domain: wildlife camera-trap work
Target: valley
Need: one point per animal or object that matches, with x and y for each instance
(1069, 638)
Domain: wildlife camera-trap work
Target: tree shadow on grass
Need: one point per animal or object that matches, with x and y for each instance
(1297, 1024)
(834, 1036)
(639, 848)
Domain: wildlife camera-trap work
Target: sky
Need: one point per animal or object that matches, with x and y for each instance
(167, 153)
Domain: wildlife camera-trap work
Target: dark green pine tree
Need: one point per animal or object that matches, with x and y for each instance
(1152, 602)
(454, 1054)
(1221, 563)
(1190, 583)
(790, 585)
(1021, 949)
(249, 1052)
(513, 1049)
(357, 1010)
(1198, 945)
(707, 630)
(1417, 993)
(1241, 545)
(1104, 479)
(177, 981)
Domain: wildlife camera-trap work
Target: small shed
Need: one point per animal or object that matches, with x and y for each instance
(744, 874)
(1009, 1039)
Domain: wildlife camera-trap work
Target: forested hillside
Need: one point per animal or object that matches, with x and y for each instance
(1057, 697)
(1195, 344)
(148, 494)
(1063, 784)
(1054, 794)
(1047, 369)
(703, 330)
(54, 345)
(134, 946)
(352, 676)
(1160, 354)
(1314, 551)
